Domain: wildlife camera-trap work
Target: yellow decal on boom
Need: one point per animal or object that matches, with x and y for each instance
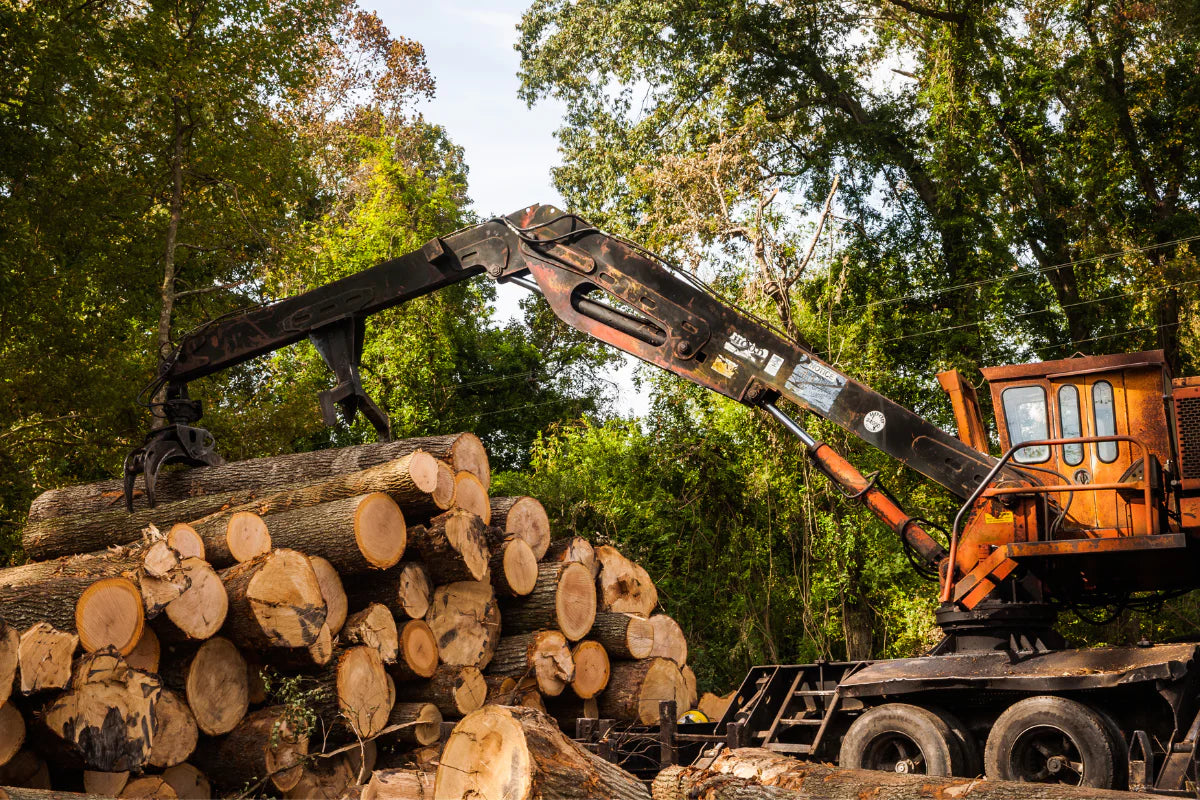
(1005, 517)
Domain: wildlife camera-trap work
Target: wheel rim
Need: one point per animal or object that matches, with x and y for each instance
(894, 752)
(1045, 754)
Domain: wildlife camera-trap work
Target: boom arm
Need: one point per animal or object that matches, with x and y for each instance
(604, 286)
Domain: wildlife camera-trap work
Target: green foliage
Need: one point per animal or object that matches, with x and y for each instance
(297, 697)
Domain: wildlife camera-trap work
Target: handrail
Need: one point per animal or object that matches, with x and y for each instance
(948, 581)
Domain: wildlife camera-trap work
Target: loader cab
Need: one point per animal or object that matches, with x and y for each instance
(1111, 428)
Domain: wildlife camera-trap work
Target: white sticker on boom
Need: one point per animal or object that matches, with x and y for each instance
(816, 384)
(773, 365)
(874, 421)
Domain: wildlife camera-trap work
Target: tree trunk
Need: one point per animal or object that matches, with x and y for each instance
(573, 548)
(422, 721)
(524, 517)
(274, 601)
(405, 589)
(513, 568)
(188, 782)
(465, 622)
(635, 688)
(456, 691)
(418, 652)
(212, 678)
(263, 748)
(175, 731)
(623, 635)
(669, 641)
(201, 610)
(544, 655)
(564, 598)
(357, 696)
(684, 783)
(106, 717)
(592, 669)
(453, 547)
(471, 495)
(233, 537)
(45, 655)
(399, 784)
(183, 539)
(623, 586)
(333, 592)
(356, 534)
(375, 627)
(519, 753)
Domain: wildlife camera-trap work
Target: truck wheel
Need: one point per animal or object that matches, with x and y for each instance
(897, 737)
(972, 763)
(1050, 740)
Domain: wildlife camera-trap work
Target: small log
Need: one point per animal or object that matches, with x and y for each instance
(109, 613)
(400, 784)
(471, 495)
(418, 652)
(45, 655)
(357, 697)
(146, 653)
(456, 691)
(465, 621)
(405, 589)
(105, 784)
(212, 678)
(624, 636)
(524, 517)
(200, 611)
(567, 708)
(592, 669)
(513, 568)
(374, 626)
(635, 688)
(175, 731)
(544, 655)
(188, 782)
(27, 770)
(356, 534)
(12, 732)
(713, 707)
(689, 680)
(264, 746)
(183, 539)
(520, 753)
(669, 641)
(564, 598)
(231, 537)
(10, 659)
(453, 547)
(106, 717)
(623, 586)
(274, 601)
(464, 451)
(336, 604)
(573, 548)
(422, 723)
(148, 787)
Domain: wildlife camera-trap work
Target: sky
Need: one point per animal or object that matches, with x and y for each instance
(510, 148)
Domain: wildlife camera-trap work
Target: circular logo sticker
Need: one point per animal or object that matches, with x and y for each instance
(874, 421)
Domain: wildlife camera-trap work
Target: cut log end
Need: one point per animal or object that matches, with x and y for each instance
(575, 602)
(12, 732)
(414, 590)
(591, 669)
(10, 659)
(188, 782)
(418, 656)
(524, 517)
(470, 494)
(148, 787)
(362, 691)
(146, 653)
(375, 627)
(333, 591)
(443, 495)
(421, 723)
(105, 784)
(216, 687)
(669, 641)
(515, 568)
(275, 601)
(379, 530)
(185, 541)
(200, 611)
(175, 731)
(109, 613)
(45, 654)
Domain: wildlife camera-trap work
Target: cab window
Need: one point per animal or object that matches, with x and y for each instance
(1070, 424)
(1106, 419)
(1027, 420)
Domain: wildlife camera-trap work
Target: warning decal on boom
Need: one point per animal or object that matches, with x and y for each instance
(816, 384)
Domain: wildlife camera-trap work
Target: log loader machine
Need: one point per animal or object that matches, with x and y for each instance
(1095, 500)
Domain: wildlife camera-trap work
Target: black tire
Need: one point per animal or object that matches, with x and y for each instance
(898, 737)
(1050, 739)
(1120, 747)
(972, 752)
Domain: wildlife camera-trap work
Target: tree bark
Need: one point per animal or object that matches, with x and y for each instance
(356, 534)
(453, 547)
(623, 586)
(465, 621)
(45, 655)
(624, 636)
(513, 568)
(274, 601)
(405, 589)
(456, 691)
(563, 598)
(543, 655)
(263, 747)
(635, 688)
(212, 678)
(520, 753)
(524, 517)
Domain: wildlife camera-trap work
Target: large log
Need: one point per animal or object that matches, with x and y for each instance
(513, 568)
(635, 688)
(12, 732)
(623, 586)
(357, 696)
(465, 621)
(524, 517)
(399, 784)
(333, 591)
(274, 601)
(45, 655)
(564, 598)
(200, 611)
(669, 641)
(264, 747)
(453, 547)
(405, 589)
(544, 655)
(464, 451)
(456, 691)
(418, 651)
(106, 717)
(592, 669)
(420, 723)
(520, 754)
(10, 658)
(212, 678)
(175, 731)
(233, 536)
(355, 534)
(759, 769)
(623, 635)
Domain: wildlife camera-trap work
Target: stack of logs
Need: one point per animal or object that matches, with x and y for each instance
(287, 625)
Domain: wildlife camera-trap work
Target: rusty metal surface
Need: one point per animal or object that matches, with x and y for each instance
(1058, 670)
(1074, 366)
